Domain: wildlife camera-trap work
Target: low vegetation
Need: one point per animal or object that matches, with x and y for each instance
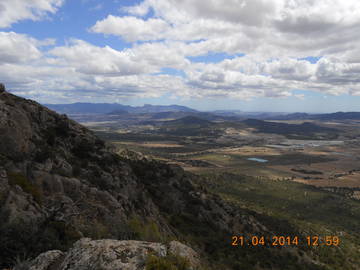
(169, 262)
(20, 180)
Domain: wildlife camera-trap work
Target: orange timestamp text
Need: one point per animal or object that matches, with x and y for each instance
(283, 240)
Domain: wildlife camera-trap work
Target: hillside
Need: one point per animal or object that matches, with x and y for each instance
(60, 183)
(304, 130)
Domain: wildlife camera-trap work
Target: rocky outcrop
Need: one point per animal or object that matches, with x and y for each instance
(88, 254)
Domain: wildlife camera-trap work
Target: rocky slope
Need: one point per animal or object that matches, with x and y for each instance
(60, 183)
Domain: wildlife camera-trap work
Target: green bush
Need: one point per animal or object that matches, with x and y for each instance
(169, 262)
(146, 231)
(25, 184)
(97, 230)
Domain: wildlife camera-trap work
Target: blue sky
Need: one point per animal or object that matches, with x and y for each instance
(252, 56)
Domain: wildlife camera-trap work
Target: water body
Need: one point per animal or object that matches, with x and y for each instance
(258, 160)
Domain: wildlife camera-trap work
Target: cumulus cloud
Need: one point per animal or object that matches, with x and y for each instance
(131, 28)
(12, 11)
(248, 12)
(16, 48)
(90, 59)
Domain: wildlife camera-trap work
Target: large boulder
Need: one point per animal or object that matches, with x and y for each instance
(109, 254)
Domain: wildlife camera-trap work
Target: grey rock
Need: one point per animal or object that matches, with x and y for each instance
(110, 254)
(46, 260)
(184, 251)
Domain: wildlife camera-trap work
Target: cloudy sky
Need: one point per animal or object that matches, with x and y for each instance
(251, 55)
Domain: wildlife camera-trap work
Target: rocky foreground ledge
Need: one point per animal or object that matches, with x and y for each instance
(88, 254)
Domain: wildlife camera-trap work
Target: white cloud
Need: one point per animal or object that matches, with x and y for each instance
(249, 12)
(15, 48)
(12, 11)
(131, 28)
(90, 59)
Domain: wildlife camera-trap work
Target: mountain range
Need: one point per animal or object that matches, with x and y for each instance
(114, 108)
(177, 111)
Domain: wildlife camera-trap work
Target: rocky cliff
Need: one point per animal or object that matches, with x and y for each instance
(60, 183)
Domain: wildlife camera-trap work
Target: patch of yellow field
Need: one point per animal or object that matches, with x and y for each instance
(312, 151)
(297, 122)
(151, 145)
(251, 150)
(170, 145)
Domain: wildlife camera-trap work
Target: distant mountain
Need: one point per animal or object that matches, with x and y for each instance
(188, 120)
(84, 108)
(106, 108)
(168, 115)
(118, 112)
(324, 116)
(304, 129)
(291, 116)
(188, 126)
(245, 115)
(338, 116)
(147, 108)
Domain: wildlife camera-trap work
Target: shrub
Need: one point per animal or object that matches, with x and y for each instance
(44, 154)
(62, 128)
(83, 149)
(146, 231)
(50, 136)
(16, 240)
(21, 263)
(169, 262)
(25, 184)
(97, 230)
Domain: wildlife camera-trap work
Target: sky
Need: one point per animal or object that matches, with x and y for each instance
(248, 55)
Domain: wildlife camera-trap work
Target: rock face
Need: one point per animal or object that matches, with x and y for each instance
(88, 254)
